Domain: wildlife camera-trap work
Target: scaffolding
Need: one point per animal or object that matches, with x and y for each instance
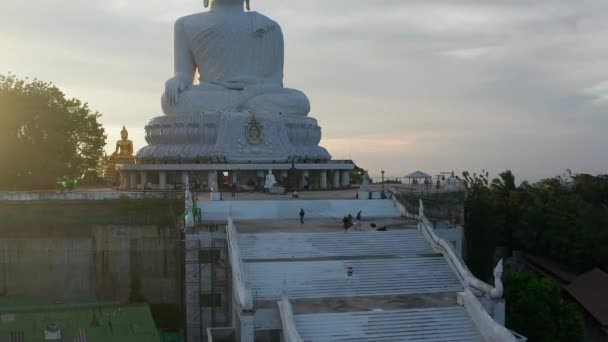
(207, 274)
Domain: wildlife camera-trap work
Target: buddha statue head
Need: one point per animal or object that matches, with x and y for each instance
(227, 2)
(124, 134)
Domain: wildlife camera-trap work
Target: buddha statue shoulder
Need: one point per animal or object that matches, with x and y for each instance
(239, 56)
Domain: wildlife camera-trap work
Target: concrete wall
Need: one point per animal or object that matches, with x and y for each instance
(77, 195)
(315, 209)
(103, 263)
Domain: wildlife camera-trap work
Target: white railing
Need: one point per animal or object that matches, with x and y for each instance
(239, 275)
(290, 331)
(478, 286)
(488, 327)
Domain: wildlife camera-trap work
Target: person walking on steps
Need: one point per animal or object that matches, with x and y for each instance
(358, 221)
(302, 213)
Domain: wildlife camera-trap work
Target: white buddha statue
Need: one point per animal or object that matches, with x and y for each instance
(239, 56)
(270, 181)
(238, 111)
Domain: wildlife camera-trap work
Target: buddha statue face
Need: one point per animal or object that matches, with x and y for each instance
(124, 134)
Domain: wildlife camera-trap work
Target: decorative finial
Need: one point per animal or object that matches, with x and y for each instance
(421, 209)
(498, 290)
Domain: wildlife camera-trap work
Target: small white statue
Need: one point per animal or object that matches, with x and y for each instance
(270, 181)
(365, 183)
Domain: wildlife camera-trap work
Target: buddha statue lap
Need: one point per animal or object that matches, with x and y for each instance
(239, 57)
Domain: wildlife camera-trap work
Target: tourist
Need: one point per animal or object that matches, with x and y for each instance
(345, 223)
(358, 221)
(234, 189)
(295, 194)
(302, 213)
(349, 220)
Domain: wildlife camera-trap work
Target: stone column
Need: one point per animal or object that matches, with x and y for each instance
(132, 180)
(323, 180)
(185, 178)
(345, 178)
(211, 179)
(124, 180)
(162, 180)
(144, 179)
(303, 182)
(336, 182)
(233, 177)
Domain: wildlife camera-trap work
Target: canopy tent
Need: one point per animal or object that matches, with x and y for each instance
(414, 177)
(418, 175)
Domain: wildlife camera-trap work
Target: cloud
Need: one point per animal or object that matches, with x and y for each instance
(398, 85)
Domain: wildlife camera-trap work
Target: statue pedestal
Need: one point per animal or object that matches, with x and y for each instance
(111, 175)
(232, 137)
(277, 190)
(363, 195)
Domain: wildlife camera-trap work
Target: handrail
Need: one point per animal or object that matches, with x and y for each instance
(486, 325)
(242, 288)
(290, 331)
(468, 279)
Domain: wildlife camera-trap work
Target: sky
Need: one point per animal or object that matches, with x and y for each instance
(396, 85)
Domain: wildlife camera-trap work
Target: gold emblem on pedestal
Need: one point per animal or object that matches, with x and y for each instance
(254, 132)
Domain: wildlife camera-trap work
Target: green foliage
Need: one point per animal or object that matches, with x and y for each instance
(536, 309)
(564, 218)
(44, 136)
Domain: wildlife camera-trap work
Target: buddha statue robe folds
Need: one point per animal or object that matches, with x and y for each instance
(239, 111)
(239, 57)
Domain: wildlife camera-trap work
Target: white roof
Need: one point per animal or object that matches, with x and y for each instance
(427, 324)
(418, 174)
(371, 277)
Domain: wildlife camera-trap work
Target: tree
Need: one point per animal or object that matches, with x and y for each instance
(44, 136)
(536, 309)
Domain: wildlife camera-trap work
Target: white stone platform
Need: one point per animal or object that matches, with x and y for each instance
(316, 209)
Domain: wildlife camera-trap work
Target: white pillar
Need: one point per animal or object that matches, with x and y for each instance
(144, 179)
(233, 177)
(211, 180)
(132, 180)
(162, 180)
(303, 181)
(185, 178)
(323, 180)
(345, 178)
(336, 183)
(247, 328)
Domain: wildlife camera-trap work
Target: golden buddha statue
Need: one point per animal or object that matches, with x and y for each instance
(124, 146)
(122, 155)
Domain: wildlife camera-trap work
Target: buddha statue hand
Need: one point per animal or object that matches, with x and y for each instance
(173, 87)
(230, 85)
